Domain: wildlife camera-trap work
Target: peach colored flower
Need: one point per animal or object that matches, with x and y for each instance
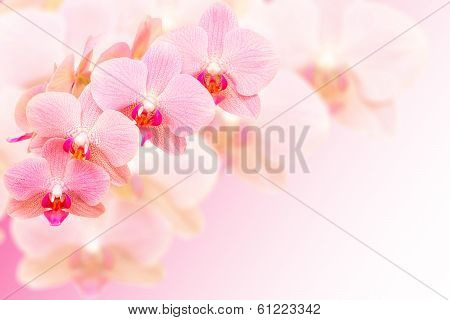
(164, 103)
(55, 186)
(128, 253)
(234, 64)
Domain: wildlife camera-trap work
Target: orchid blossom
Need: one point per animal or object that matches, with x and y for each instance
(107, 138)
(232, 63)
(359, 95)
(55, 185)
(165, 104)
(129, 253)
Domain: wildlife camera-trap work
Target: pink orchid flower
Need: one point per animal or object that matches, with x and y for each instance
(130, 252)
(234, 64)
(106, 138)
(165, 104)
(55, 186)
(66, 78)
(363, 96)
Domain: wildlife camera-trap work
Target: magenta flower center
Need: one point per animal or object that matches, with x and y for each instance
(78, 146)
(213, 79)
(56, 203)
(146, 113)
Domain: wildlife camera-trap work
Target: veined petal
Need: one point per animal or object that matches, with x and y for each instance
(164, 139)
(250, 60)
(86, 181)
(56, 157)
(90, 111)
(192, 43)
(118, 175)
(163, 62)
(119, 83)
(81, 208)
(239, 105)
(186, 105)
(25, 209)
(116, 136)
(217, 20)
(54, 114)
(27, 178)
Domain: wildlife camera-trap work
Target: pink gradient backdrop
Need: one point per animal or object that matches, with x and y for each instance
(392, 193)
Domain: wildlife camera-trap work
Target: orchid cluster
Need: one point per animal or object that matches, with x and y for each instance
(85, 124)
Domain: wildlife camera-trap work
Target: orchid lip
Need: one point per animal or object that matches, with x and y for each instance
(56, 204)
(78, 146)
(145, 115)
(213, 82)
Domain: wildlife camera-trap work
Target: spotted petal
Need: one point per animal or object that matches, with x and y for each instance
(27, 178)
(86, 181)
(54, 114)
(218, 20)
(116, 137)
(250, 60)
(119, 83)
(192, 43)
(163, 62)
(186, 105)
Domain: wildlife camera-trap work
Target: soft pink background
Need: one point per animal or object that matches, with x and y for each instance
(392, 193)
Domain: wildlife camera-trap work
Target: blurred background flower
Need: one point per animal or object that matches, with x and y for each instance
(238, 235)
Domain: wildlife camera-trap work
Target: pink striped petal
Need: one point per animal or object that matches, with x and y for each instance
(54, 114)
(118, 175)
(186, 105)
(81, 208)
(192, 43)
(27, 178)
(119, 83)
(148, 30)
(63, 78)
(87, 56)
(90, 111)
(29, 208)
(57, 158)
(86, 181)
(218, 20)
(250, 60)
(163, 62)
(21, 106)
(164, 139)
(117, 50)
(239, 105)
(116, 136)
